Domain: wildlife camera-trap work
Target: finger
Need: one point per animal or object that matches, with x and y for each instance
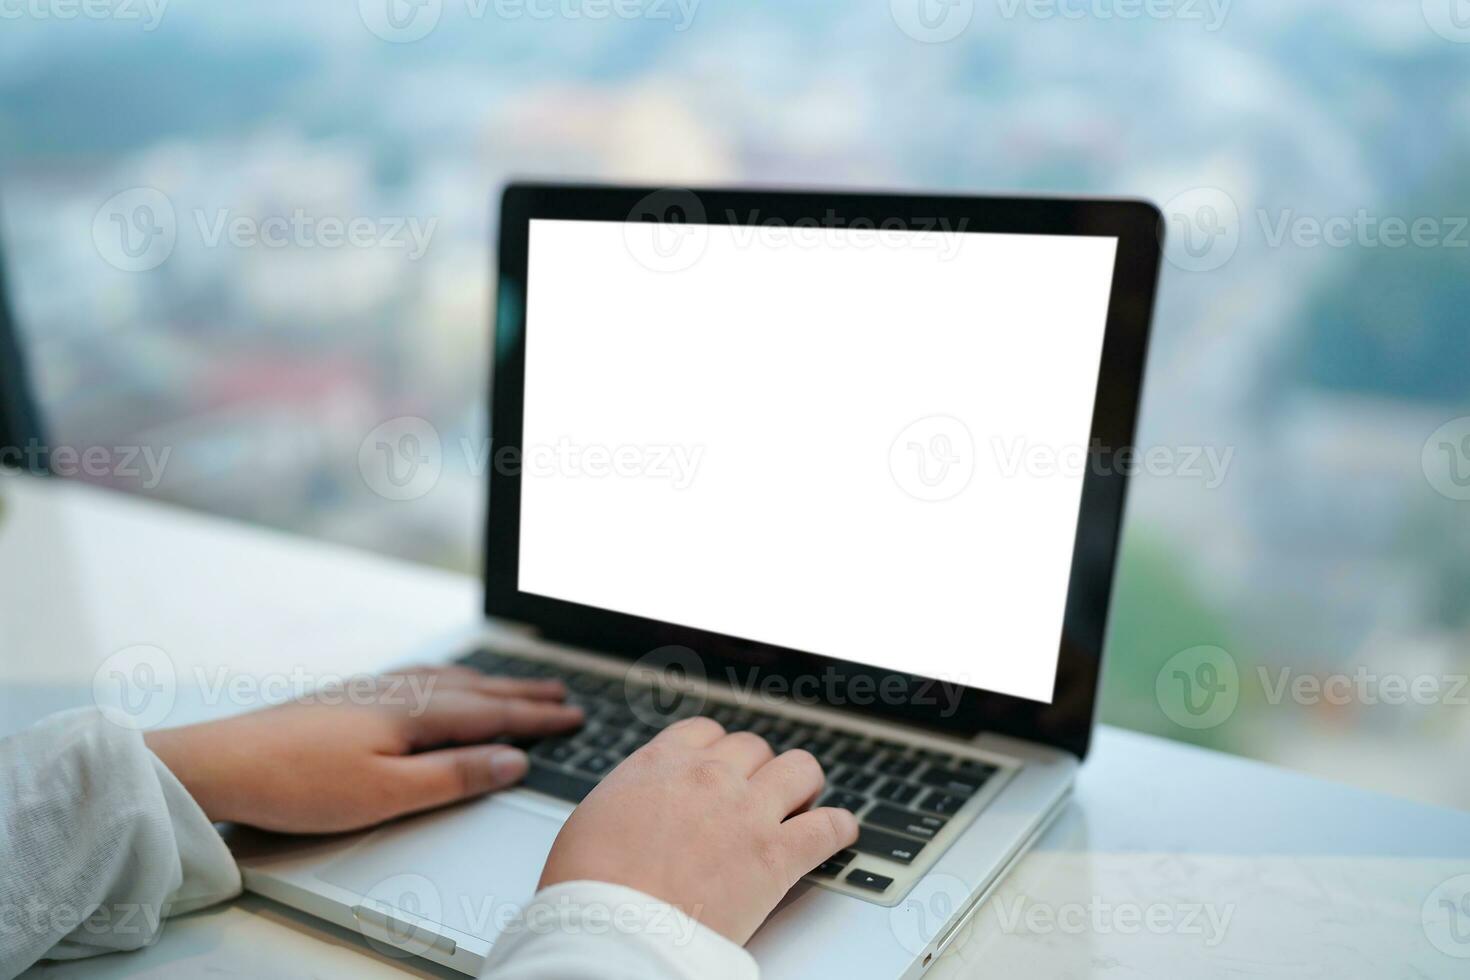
(431, 779)
(464, 716)
(790, 781)
(460, 677)
(693, 733)
(745, 751)
(532, 689)
(816, 835)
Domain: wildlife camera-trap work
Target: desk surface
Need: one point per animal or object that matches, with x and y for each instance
(1171, 862)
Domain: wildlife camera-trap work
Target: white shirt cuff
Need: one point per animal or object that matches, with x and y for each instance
(592, 929)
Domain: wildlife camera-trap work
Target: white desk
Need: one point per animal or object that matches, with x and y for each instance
(1171, 863)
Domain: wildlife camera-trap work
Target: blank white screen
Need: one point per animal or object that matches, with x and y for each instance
(795, 376)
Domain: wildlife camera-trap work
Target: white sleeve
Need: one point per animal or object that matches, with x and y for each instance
(98, 842)
(590, 930)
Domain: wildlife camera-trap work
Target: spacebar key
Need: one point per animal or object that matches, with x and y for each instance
(559, 783)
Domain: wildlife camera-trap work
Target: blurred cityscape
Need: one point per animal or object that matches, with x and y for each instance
(260, 355)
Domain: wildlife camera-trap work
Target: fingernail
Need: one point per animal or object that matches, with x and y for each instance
(508, 765)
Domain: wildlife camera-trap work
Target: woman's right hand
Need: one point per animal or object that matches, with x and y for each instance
(704, 821)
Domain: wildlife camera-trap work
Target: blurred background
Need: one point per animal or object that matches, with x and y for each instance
(240, 238)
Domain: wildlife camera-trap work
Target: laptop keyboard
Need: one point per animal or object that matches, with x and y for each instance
(902, 795)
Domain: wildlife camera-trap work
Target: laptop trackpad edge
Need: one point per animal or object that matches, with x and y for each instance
(470, 867)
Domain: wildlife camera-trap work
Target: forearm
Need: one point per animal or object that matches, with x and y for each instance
(588, 930)
(98, 842)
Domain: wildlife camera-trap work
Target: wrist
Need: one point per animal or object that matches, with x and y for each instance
(176, 749)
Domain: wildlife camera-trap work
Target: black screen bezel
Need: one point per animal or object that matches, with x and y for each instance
(1067, 721)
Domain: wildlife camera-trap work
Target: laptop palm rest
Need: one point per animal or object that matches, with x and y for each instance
(470, 867)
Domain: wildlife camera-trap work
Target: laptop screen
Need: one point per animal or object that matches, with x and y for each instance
(861, 443)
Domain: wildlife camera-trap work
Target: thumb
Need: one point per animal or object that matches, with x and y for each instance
(432, 779)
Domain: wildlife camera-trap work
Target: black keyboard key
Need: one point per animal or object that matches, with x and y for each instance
(833, 866)
(854, 779)
(975, 767)
(485, 660)
(636, 737)
(954, 783)
(598, 763)
(568, 786)
(602, 738)
(784, 741)
(920, 825)
(898, 791)
(859, 756)
(801, 733)
(944, 804)
(937, 758)
(619, 716)
(816, 746)
(898, 766)
(868, 880)
(845, 800)
(556, 751)
(740, 720)
(883, 844)
(590, 684)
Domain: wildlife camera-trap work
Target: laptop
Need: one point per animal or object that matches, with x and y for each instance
(839, 469)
